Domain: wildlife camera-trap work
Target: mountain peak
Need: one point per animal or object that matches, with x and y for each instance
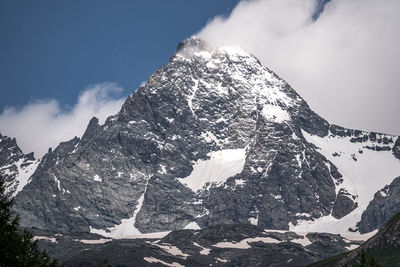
(192, 42)
(197, 46)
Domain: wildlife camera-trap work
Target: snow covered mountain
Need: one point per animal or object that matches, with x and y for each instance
(213, 137)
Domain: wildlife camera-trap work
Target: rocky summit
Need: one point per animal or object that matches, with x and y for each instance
(212, 138)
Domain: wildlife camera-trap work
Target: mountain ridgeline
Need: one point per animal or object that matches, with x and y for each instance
(213, 137)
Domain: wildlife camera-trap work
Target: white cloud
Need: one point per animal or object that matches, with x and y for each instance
(43, 124)
(345, 64)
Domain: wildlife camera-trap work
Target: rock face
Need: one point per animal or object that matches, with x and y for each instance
(15, 167)
(344, 204)
(386, 202)
(396, 148)
(212, 138)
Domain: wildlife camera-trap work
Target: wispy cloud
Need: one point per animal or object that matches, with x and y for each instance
(44, 123)
(345, 64)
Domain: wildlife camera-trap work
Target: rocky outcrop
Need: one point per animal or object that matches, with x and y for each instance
(385, 204)
(396, 148)
(15, 166)
(344, 204)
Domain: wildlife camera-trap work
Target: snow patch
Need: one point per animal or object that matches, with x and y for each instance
(203, 251)
(303, 214)
(163, 169)
(384, 192)
(174, 137)
(93, 241)
(57, 182)
(24, 173)
(170, 249)
(216, 170)
(170, 120)
(275, 113)
(355, 236)
(97, 178)
(192, 226)
(154, 260)
(193, 93)
(351, 247)
(239, 182)
(254, 221)
(244, 244)
(302, 241)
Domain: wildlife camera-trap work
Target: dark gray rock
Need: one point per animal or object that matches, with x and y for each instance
(344, 204)
(385, 204)
(396, 148)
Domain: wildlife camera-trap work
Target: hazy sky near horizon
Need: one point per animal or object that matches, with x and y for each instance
(62, 62)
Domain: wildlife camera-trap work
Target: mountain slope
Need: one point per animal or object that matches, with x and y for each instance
(213, 137)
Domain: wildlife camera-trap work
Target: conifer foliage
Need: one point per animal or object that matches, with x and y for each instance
(365, 260)
(17, 248)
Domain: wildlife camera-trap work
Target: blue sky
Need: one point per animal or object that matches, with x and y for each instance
(54, 49)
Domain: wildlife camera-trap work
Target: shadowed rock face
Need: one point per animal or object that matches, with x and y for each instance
(205, 101)
(344, 204)
(386, 202)
(396, 148)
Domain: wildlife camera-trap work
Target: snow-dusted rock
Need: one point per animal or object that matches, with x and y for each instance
(16, 167)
